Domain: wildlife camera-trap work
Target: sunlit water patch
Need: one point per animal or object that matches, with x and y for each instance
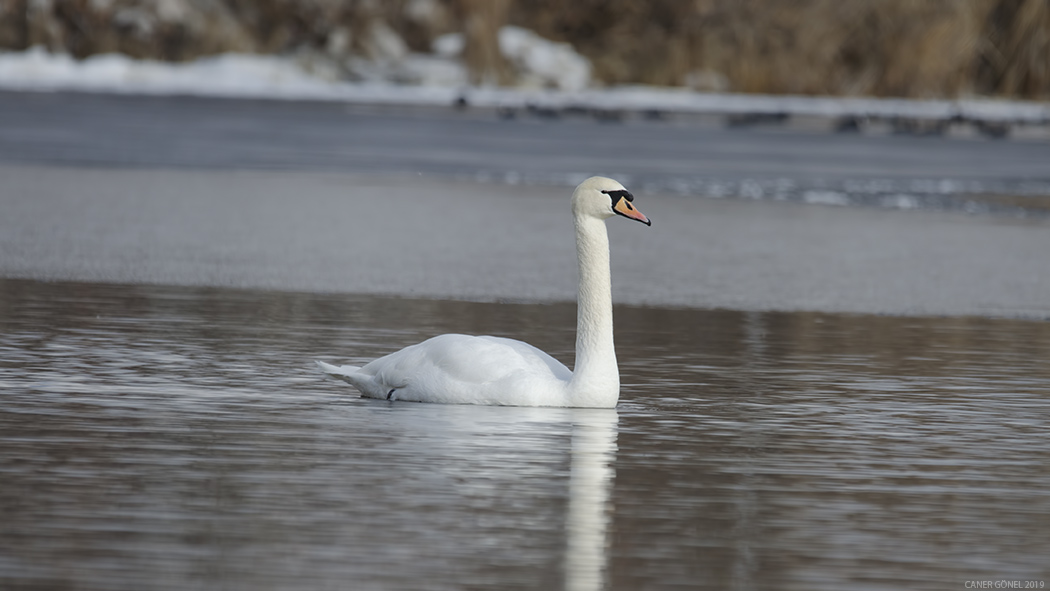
(175, 438)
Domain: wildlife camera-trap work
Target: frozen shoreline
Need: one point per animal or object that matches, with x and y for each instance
(431, 238)
(284, 78)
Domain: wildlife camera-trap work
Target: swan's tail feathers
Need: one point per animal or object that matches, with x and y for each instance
(351, 375)
(341, 372)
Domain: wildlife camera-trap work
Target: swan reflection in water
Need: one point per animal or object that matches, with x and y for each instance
(487, 487)
(591, 478)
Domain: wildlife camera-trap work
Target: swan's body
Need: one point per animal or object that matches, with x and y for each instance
(464, 369)
(461, 369)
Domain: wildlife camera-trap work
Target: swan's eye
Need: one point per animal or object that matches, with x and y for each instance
(618, 194)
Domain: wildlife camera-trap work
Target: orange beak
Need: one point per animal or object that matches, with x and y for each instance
(623, 207)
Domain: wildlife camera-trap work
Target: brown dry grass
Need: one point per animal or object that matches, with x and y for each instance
(914, 48)
(910, 48)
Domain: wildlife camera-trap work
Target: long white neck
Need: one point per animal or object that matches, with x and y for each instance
(596, 378)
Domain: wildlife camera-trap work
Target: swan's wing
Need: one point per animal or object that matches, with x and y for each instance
(463, 358)
(532, 357)
(461, 368)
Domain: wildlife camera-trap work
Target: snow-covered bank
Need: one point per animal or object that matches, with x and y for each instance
(395, 76)
(229, 75)
(441, 82)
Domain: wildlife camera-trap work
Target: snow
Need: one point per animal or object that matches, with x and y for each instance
(449, 45)
(552, 76)
(224, 75)
(540, 63)
(544, 63)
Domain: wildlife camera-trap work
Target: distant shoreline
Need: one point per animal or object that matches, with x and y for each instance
(245, 76)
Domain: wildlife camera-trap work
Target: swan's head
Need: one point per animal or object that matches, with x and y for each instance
(603, 198)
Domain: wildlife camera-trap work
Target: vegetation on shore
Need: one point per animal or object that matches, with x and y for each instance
(902, 48)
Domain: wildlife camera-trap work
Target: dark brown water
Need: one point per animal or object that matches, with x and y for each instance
(179, 438)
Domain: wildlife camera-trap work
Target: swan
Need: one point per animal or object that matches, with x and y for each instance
(462, 369)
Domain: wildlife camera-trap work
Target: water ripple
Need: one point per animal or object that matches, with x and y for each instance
(176, 438)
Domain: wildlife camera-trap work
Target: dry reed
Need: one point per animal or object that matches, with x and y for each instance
(909, 48)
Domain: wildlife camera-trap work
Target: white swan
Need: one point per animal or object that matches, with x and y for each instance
(461, 369)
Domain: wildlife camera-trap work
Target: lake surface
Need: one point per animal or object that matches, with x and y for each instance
(765, 162)
(180, 438)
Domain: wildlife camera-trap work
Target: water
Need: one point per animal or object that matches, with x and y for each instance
(771, 162)
(179, 438)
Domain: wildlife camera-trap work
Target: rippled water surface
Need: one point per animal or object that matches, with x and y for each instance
(179, 438)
